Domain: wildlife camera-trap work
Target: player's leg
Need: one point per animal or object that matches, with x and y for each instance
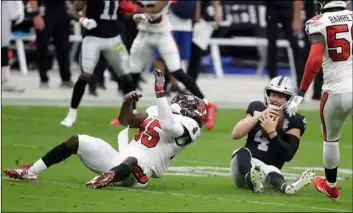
(90, 51)
(333, 115)
(54, 156)
(5, 43)
(244, 172)
(274, 178)
(168, 49)
(119, 173)
(117, 57)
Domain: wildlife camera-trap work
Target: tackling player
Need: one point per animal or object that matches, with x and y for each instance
(330, 34)
(269, 145)
(155, 33)
(102, 36)
(164, 131)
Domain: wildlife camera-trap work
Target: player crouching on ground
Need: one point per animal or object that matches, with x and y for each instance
(273, 139)
(164, 131)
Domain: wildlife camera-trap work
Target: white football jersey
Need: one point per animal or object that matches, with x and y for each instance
(154, 148)
(336, 27)
(160, 21)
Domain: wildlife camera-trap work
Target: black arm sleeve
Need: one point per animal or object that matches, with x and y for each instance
(288, 148)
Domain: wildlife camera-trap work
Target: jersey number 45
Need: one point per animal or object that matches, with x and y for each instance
(334, 43)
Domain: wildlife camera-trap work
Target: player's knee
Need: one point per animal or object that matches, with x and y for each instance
(87, 66)
(85, 77)
(72, 143)
(127, 83)
(244, 160)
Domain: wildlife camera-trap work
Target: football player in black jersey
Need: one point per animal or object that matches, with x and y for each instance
(102, 36)
(260, 161)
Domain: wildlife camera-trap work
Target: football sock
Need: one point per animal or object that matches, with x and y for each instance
(277, 181)
(77, 94)
(331, 155)
(188, 82)
(121, 172)
(136, 78)
(54, 156)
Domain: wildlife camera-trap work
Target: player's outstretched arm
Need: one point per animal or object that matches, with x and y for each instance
(126, 116)
(314, 61)
(165, 114)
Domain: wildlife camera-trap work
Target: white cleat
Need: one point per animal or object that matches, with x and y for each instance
(21, 174)
(68, 121)
(256, 177)
(303, 180)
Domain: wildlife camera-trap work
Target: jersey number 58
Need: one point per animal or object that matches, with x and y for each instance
(334, 43)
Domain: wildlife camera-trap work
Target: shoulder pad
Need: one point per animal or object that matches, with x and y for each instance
(315, 25)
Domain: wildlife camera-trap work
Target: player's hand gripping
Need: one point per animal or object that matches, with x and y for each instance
(140, 18)
(268, 122)
(159, 83)
(88, 23)
(132, 96)
(293, 105)
(272, 111)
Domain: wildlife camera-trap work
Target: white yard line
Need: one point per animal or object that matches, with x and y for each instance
(199, 196)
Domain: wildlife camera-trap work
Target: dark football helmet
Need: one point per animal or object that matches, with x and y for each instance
(190, 106)
(322, 5)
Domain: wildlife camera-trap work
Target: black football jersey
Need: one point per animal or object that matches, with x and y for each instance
(105, 13)
(260, 147)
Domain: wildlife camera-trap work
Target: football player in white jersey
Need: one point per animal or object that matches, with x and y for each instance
(155, 33)
(164, 131)
(330, 34)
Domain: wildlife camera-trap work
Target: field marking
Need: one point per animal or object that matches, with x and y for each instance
(194, 195)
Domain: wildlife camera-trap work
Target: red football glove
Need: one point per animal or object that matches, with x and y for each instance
(159, 82)
(127, 6)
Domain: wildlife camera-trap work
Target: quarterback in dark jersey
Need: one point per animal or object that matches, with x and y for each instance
(102, 36)
(268, 147)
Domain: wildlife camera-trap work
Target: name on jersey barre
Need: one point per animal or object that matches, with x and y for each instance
(289, 173)
(341, 18)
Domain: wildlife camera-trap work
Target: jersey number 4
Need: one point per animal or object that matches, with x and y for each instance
(110, 10)
(263, 146)
(148, 134)
(334, 43)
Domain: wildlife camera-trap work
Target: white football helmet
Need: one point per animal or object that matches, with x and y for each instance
(282, 85)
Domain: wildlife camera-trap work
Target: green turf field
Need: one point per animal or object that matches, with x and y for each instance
(197, 181)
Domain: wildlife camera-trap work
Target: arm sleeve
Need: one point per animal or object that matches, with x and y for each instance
(167, 120)
(313, 65)
(286, 148)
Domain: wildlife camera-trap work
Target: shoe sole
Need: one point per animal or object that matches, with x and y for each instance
(304, 180)
(256, 177)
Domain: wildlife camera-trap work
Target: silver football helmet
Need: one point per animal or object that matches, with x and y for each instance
(321, 5)
(283, 85)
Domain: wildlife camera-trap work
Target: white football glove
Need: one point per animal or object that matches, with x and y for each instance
(88, 23)
(293, 105)
(140, 18)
